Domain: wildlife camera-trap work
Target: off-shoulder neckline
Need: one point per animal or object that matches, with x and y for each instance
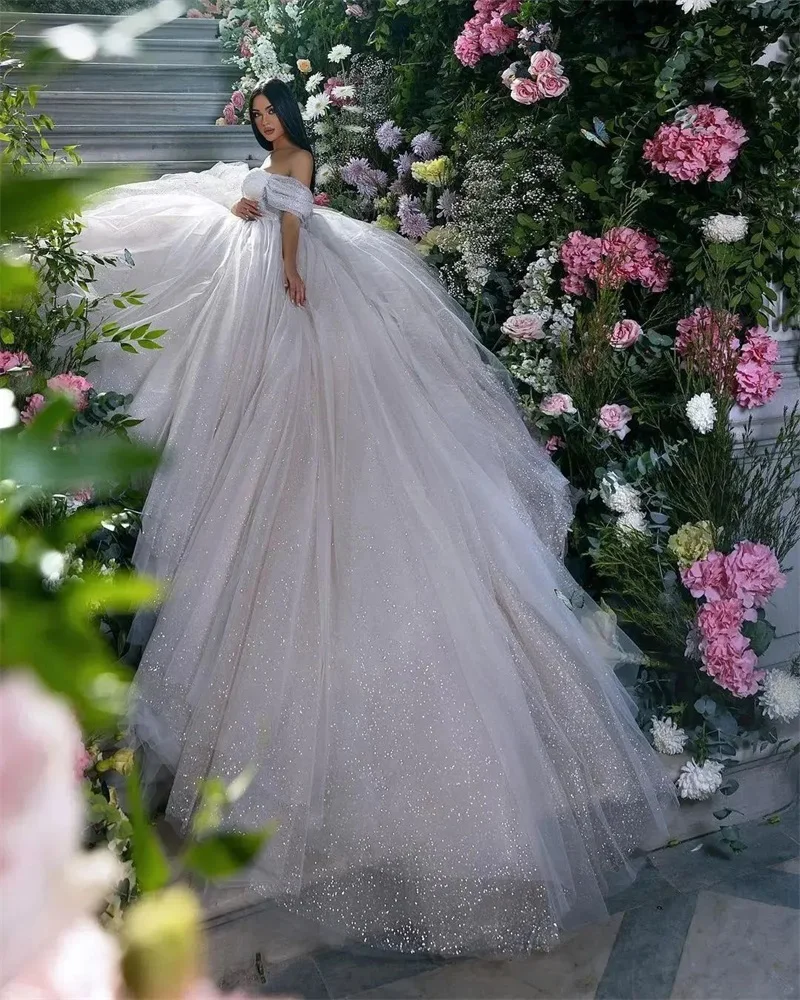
(286, 177)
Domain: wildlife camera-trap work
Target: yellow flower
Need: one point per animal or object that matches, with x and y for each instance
(304, 65)
(162, 942)
(442, 237)
(387, 222)
(692, 542)
(436, 172)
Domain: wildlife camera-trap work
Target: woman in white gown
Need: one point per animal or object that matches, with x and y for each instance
(367, 596)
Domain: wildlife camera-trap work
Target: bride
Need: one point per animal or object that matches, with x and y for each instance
(367, 599)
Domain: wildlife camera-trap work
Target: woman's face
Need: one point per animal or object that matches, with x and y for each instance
(266, 120)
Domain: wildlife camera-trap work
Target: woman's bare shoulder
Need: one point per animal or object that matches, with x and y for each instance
(301, 165)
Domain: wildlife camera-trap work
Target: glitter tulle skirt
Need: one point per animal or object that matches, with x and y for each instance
(368, 603)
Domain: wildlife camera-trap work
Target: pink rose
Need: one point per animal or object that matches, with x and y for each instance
(546, 61)
(74, 386)
(244, 50)
(525, 91)
(553, 444)
(35, 403)
(237, 100)
(13, 359)
(719, 617)
(729, 659)
(229, 114)
(556, 404)
(614, 419)
(551, 85)
(755, 573)
(625, 333)
(708, 578)
(322, 199)
(523, 328)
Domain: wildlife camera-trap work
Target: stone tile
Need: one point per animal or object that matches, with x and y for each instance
(700, 864)
(790, 823)
(647, 951)
(476, 979)
(236, 935)
(739, 950)
(765, 886)
(650, 887)
(793, 866)
(349, 971)
(299, 978)
(574, 969)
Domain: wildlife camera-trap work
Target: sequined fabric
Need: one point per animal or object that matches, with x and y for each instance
(368, 601)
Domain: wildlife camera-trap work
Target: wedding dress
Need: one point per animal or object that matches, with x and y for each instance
(363, 544)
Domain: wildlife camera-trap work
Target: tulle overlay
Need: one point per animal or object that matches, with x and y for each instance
(367, 595)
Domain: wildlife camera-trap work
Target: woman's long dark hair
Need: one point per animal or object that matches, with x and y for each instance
(287, 109)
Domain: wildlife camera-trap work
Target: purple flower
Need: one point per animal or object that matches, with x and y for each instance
(389, 136)
(403, 163)
(413, 221)
(426, 145)
(358, 173)
(446, 205)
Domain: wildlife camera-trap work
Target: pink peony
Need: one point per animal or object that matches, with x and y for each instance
(35, 403)
(705, 142)
(523, 328)
(708, 578)
(237, 100)
(551, 85)
(556, 404)
(525, 91)
(754, 572)
(756, 383)
(13, 359)
(729, 659)
(322, 199)
(74, 386)
(546, 61)
(614, 419)
(625, 334)
(717, 618)
(553, 444)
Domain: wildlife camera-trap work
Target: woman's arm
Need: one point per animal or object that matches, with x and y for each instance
(301, 168)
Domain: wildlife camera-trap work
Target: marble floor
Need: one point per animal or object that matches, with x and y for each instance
(697, 924)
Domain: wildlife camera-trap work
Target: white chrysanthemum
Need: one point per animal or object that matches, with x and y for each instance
(314, 82)
(667, 737)
(345, 92)
(721, 228)
(780, 699)
(339, 53)
(632, 520)
(325, 174)
(316, 106)
(618, 495)
(694, 6)
(700, 781)
(701, 413)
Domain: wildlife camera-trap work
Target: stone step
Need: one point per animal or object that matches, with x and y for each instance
(149, 169)
(121, 77)
(182, 27)
(200, 51)
(71, 107)
(143, 143)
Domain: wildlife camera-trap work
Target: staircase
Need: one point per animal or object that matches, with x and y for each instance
(155, 111)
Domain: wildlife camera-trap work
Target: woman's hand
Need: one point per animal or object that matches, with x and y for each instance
(295, 287)
(247, 209)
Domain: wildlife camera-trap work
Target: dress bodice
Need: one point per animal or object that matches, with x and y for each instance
(278, 193)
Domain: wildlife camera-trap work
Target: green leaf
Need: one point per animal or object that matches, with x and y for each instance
(223, 854)
(760, 634)
(152, 868)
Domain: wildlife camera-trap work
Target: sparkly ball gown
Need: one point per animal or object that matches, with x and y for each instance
(367, 599)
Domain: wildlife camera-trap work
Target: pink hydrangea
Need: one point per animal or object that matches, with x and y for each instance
(760, 347)
(621, 255)
(74, 386)
(754, 573)
(35, 403)
(708, 340)
(719, 617)
(708, 578)
(625, 334)
(13, 359)
(615, 419)
(486, 33)
(756, 383)
(704, 143)
(729, 659)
